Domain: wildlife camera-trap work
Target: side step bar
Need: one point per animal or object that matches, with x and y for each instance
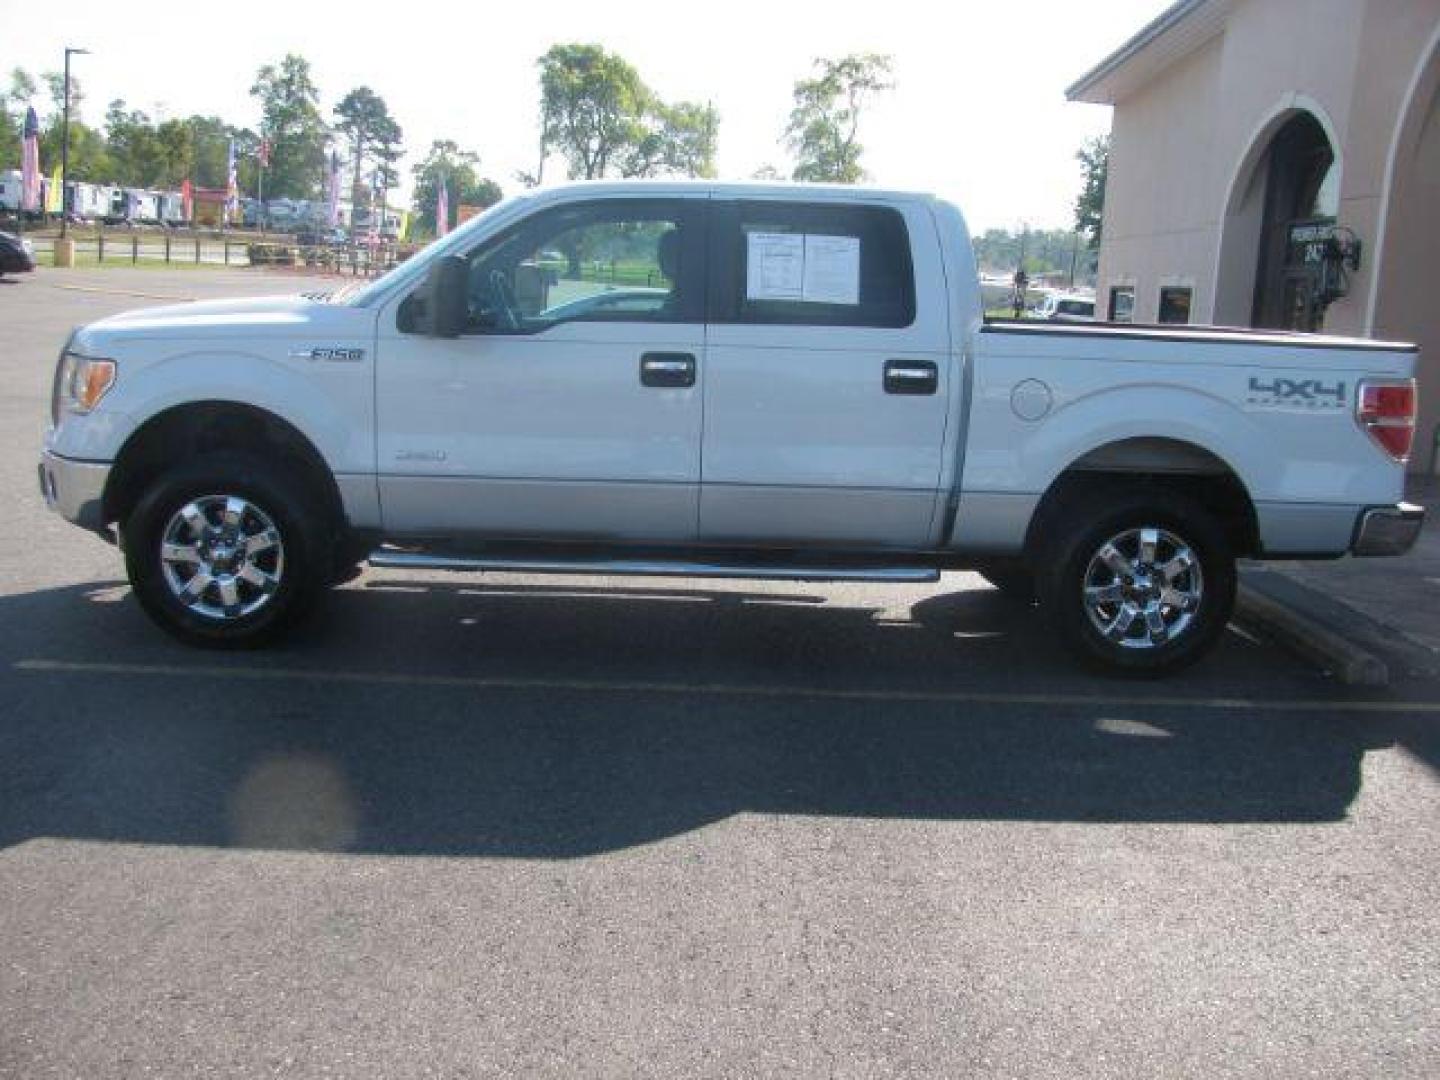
(520, 564)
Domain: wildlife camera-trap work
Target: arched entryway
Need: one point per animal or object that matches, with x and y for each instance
(1290, 175)
(1301, 187)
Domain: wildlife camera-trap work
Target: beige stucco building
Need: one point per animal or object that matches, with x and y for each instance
(1267, 155)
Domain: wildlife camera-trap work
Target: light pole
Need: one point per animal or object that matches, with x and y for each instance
(65, 142)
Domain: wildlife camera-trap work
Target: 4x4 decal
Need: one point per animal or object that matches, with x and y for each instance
(1296, 393)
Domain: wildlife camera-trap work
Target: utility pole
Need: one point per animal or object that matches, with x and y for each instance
(64, 246)
(65, 141)
(262, 159)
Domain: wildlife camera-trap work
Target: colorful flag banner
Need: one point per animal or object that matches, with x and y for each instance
(232, 183)
(442, 210)
(54, 193)
(187, 201)
(30, 163)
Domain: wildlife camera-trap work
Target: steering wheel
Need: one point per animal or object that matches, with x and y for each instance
(502, 295)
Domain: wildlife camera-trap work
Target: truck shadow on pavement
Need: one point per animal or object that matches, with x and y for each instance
(417, 718)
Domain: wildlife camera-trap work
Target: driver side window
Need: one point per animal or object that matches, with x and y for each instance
(616, 260)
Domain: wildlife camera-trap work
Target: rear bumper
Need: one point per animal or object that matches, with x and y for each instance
(1387, 530)
(74, 489)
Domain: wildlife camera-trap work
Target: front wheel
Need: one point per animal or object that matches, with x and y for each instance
(1144, 586)
(225, 552)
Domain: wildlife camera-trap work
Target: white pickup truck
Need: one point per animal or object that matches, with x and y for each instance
(729, 380)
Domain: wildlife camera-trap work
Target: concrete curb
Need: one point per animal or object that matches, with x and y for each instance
(1351, 663)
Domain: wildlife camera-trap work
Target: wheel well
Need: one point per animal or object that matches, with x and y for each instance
(1169, 463)
(206, 427)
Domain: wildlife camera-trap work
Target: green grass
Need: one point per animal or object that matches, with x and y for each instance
(637, 272)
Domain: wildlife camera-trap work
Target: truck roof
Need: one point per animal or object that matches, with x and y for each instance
(733, 188)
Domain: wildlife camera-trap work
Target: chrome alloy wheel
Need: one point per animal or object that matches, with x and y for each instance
(1143, 588)
(222, 556)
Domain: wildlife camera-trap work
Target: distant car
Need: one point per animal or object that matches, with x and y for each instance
(17, 256)
(618, 303)
(1066, 307)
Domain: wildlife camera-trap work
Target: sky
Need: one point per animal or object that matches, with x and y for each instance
(978, 113)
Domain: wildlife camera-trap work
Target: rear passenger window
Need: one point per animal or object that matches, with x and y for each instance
(813, 264)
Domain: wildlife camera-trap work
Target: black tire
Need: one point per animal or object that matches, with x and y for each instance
(1078, 535)
(300, 564)
(1012, 577)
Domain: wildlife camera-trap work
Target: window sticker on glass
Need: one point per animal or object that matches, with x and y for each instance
(775, 266)
(832, 269)
(810, 268)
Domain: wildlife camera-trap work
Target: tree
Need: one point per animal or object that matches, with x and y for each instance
(597, 113)
(55, 83)
(207, 139)
(175, 152)
(460, 169)
(13, 103)
(364, 120)
(89, 157)
(1094, 158)
(135, 151)
(1051, 252)
(825, 119)
(674, 139)
(289, 107)
(590, 102)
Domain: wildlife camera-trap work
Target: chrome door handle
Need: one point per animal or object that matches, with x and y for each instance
(911, 377)
(667, 369)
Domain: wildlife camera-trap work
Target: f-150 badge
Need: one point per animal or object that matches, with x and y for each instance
(328, 353)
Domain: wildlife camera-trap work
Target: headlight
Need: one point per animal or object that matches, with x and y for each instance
(81, 382)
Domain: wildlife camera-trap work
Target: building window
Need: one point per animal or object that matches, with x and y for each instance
(1175, 304)
(1122, 304)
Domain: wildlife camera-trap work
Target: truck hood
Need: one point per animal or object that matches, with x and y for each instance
(261, 317)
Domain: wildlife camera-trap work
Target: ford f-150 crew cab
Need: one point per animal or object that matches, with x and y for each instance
(699, 378)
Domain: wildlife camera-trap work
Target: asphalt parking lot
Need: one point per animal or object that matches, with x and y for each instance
(503, 825)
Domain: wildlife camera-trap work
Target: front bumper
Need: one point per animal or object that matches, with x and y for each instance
(1388, 530)
(74, 489)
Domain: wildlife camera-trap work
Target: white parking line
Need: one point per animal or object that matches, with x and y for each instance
(119, 292)
(600, 686)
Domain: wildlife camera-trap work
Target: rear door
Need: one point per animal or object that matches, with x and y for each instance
(827, 385)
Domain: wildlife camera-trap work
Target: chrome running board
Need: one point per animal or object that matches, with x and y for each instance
(580, 564)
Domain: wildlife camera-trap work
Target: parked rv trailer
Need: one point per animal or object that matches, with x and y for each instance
(10, 190)
(170, 208)
(89, 201)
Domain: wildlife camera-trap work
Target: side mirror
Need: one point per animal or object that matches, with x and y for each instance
(447, 304)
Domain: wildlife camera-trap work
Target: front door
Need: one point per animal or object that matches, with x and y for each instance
(828, 381)
(571, 407)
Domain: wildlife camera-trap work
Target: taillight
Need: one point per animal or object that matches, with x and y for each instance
(1385, 408)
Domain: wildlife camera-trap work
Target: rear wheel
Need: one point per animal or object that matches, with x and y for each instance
(225, 552)
(1143, 585)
